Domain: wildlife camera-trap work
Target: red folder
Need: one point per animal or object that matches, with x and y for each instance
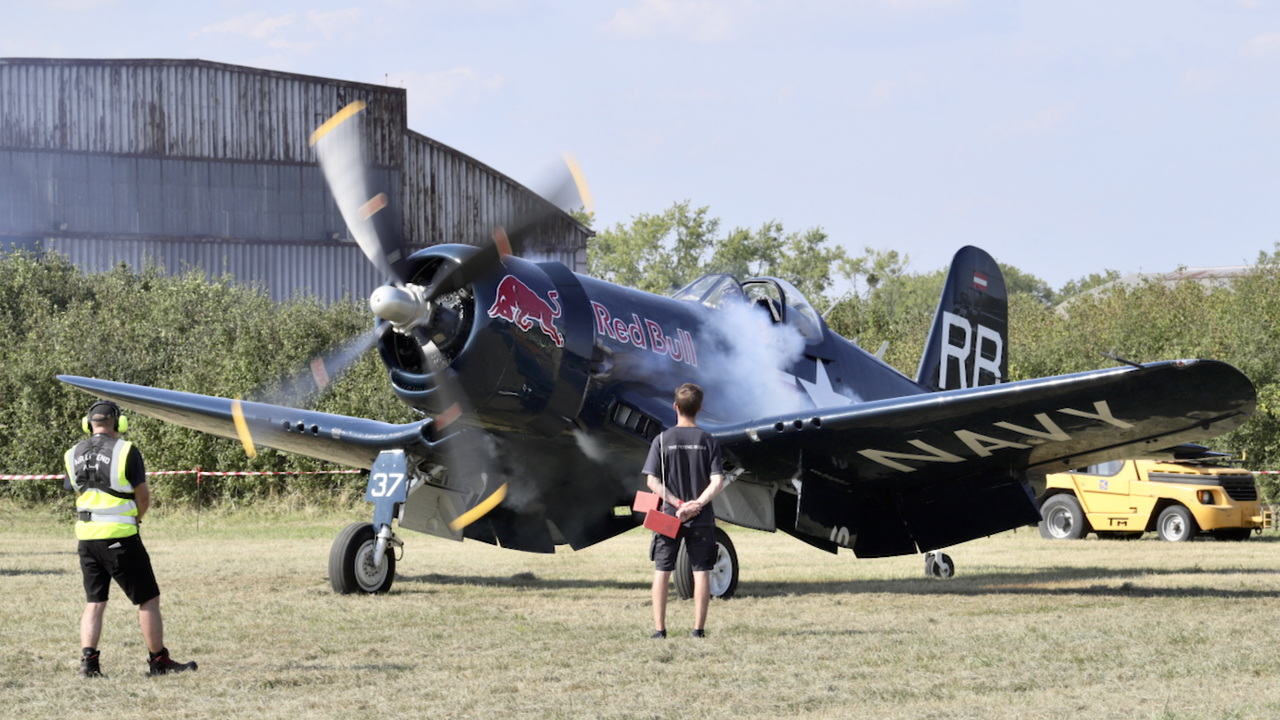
(654, 519)
(660, 522)
(646, 501)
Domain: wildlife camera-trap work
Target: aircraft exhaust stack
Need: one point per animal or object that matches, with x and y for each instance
(404, 307)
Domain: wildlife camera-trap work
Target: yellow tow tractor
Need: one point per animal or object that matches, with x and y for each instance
(1197, 492)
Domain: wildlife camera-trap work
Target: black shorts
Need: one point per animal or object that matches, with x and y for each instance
(124, 559)
(700, 543)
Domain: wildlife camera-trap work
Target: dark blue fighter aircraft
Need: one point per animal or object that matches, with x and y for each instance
(541, 389)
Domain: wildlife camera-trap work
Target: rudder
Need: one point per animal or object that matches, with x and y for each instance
(968, 344)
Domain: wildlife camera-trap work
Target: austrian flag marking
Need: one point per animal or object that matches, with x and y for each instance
(980, 281)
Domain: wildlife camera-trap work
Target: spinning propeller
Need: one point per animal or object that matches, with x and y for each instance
(411, 308)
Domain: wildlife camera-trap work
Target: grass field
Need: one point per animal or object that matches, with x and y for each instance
(1027, 629)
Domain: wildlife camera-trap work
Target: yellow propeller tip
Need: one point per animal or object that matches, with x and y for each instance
(337, 119)
(242, 428)
(480, 510)
(580, 180)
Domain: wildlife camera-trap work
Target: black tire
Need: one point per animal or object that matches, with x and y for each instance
(1062, 518)
(939, 565)
(350, 562)
(724, 574)
(1232, 534)
(1176, 524)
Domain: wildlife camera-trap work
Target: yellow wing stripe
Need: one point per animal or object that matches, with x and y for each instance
(338, 118)
(479, 511)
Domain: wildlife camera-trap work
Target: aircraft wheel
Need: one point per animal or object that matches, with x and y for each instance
(351, 567)
(723, 577)
(939, 565)
(1063, 519)
(1175, 524)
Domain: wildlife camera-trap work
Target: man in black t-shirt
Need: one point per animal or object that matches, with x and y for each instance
(685, 470)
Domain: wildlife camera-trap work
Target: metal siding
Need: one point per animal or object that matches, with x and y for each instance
(183, 109)
(326, 271)
(192, 149)
(450, 197)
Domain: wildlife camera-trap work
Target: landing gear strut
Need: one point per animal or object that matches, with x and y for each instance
(352, 566)
(939, 565)
(363, 557)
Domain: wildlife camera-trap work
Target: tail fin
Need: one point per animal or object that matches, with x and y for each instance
(968, 344)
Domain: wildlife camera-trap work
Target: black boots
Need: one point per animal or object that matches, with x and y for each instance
(89, 663)
(162, 664)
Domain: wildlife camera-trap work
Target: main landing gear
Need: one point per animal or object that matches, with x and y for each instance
(363, 555)
(724, 573)
(939, 565)
(353, 563)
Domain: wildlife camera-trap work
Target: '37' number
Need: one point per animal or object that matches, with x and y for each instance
(378, 486)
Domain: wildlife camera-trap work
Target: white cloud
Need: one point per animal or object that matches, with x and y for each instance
(705, 21)
(1042, 122)
(887, 92)
(77, 5)
(881, 93)
(438, 93)
(292, 31)
(1199, 80)
(923, 4)
(255, 25)
(1263, 45)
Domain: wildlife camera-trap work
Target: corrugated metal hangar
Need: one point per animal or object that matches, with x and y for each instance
(192, 163)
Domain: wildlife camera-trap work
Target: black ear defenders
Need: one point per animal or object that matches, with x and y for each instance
(103, 410)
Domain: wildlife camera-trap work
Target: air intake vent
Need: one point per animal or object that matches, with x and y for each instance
(637, 422)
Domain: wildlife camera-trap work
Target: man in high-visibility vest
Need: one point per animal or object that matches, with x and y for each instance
(110, 482)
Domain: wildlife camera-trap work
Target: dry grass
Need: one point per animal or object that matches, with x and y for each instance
(1027, 629)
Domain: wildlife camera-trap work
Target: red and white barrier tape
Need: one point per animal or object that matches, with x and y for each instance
(199, 472)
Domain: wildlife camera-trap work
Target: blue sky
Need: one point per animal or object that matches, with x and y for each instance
(1063, 138)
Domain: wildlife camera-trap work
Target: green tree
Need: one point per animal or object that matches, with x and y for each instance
(662, 252)
(183, 332)
(1086, 283)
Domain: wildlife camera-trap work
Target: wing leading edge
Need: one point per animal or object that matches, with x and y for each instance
(913, 474)
(350, 441)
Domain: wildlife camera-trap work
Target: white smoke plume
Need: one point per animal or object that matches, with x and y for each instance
(742, 358)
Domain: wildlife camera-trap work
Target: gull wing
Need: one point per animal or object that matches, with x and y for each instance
(917, 473)
(341, 439)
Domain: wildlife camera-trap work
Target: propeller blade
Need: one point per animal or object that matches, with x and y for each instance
(242, 428)
(324, 370)
(453, 276)
(365, 209)
(470, 455)
(480, 510)
(586, 202)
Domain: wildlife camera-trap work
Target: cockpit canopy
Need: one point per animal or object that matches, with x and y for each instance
(775, 296)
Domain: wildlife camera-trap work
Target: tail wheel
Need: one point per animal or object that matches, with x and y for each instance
(1176, 524)
(351, 567)
(939, 565)
(723, 577)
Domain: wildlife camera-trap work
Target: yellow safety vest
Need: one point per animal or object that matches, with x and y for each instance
(104, 496)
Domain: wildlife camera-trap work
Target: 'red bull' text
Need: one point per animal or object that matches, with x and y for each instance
(645, 333)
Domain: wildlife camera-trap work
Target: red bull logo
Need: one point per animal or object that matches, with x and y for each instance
(523, 307)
